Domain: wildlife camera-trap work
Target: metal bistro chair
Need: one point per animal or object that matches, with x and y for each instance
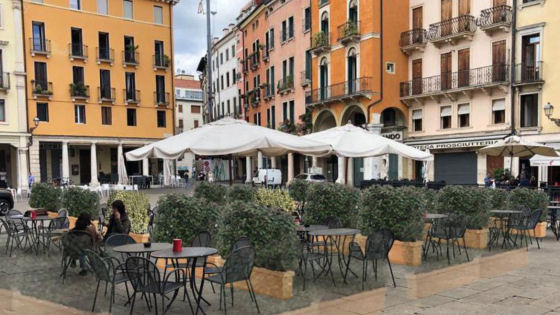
(16, 237)
(73, 245)
(527, 224)
(105, 270)
(378, 246)
(238, 267)
(312, 252)
(53, 237)
(451, 230)
(145, 278)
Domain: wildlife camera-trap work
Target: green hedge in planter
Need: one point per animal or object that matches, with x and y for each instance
(298, 189)
(211, 192)
(45, 196)
(244, 193)
(275, 198)
(328, 200)
(498, 198)
(181, 216)
(474, 203)
(77, 200)
(272, 233)
(530, 198)
(399, 210)
(136, 205)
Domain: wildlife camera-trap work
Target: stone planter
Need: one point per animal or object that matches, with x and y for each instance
(406, 253)
(140, 238)
(52, 215)
(476, 238)
(368, 302)
(72, 221)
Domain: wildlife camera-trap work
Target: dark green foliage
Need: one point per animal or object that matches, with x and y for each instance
(183, 217)
(272, 233)
(45, 196)
(474, 203)
(298, 189)
(136, 205)
(530, 198)
(498, 198)
(211, 192)
(245, 193)
(399, 210)
(328, 200)
(77, 200)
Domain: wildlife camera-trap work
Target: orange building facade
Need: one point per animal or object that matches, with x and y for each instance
(356, 69)
(100, 83)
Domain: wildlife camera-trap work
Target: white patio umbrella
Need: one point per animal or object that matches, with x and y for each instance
(515, 146)
(355, 142)
(230, 136)
(540, 160)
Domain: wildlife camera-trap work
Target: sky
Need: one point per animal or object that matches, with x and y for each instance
(190, 29)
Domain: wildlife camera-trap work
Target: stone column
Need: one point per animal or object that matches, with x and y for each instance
(341, 170)
(350, 171)
(290, 167)
(22, 168)
(93, 151)
(259, 160)
(34, 163)
(65, 162)
(146, 167)
(372, 166)
(119, 166)
(273, 162)
(248, 168)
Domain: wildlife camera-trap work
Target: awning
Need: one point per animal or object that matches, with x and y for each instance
(446, 111)
(417, 114)
(463, 109)
(539, 160)
(499, 105)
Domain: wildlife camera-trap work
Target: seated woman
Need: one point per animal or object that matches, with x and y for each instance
(83, 223)
(119, 222)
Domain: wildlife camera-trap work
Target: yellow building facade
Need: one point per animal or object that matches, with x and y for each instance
(99, 83)
(13, 126)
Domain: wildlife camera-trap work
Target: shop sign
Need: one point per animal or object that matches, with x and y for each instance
(456, 145)
(394, 135)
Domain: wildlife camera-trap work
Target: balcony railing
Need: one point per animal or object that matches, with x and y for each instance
(349, 32)
(452, 29)
(322, 2)
(269, 91)
(105, 94)
(527, 73)
(254, 60)
(361, 87)
(77, 51)
(495, 18)
(456, 81)
(245, 64)
(4, 81)
(130, 58)
(131, 97)
(320, 42)
(105, 55)
(305, 78)
(161, 61)
(161, 98)
(41, 88)
(285, 84)
(40, 46)
(79, 91)
(254, 97)
(413, 39)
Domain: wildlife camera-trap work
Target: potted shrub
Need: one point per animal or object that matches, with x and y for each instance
(275, 256)
(45, 196)
(136, 205)
(211, 192)
(399, 210)
(328, 200)
(298, 191)
(474, 204)
(275, 199)
(77, 200)
(244, 193)
(533, 200)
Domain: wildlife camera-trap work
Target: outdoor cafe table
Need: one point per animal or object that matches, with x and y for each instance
(193, 254)
(430, 217)
(504, 216)
(37, 235)
(338, 237)
(139, 249)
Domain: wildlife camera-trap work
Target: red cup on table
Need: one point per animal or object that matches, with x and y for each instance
(33, 215)
(177, 245)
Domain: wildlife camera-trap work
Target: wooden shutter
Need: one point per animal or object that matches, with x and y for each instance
(499, 61)
(464, 7)
(446, 15)
(464, 67)
(417, 18)
(500, 2)
(446, 71)
(417, 76)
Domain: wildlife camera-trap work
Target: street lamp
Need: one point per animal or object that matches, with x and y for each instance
(36, 122)
(548, 110)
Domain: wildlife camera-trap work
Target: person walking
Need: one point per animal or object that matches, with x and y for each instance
(186, 176)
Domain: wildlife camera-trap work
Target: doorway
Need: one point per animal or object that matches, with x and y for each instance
(85, 167)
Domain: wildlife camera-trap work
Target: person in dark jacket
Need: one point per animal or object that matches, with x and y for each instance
(119, 222)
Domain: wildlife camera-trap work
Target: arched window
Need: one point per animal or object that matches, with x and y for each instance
(353, 11)
(352, 70)
(323, 79)
(325, 23)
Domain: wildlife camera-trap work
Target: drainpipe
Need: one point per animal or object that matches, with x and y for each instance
(512, 70)
(381, 74)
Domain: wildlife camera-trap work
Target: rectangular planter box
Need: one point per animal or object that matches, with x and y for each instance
(140, 238)
(406, 253)
(369, 302)
(476, 238)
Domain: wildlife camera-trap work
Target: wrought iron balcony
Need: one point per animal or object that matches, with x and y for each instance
(495, 19)
(105, 94)
(40, 46)
(529, 73)
(4, 81)
(105, 55)
(452, 83)
(305, 78)
(79, 91)
(130, 58)
(269, 91)
(320, 43)
(41, 89)
(349, 32)
(77, 51)
(254, 97)
(452, 30)
(161, 61)
(254, 60)
(161, 98)
(131, 97)
(415, 39)
(345, 91)
(286, 85)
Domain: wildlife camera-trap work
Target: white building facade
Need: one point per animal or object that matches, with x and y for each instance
(225, 75)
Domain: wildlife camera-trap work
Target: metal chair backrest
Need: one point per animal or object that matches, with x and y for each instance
(75, 242)
(533, 219)
(203, 239)
(59, 223)
(457, 224)
(62, 213)
(115, 240)
(333, 223)
(13, 212)
(143, 275)
(102, 268)
(379, 244)
(239, 264)
(243, 241)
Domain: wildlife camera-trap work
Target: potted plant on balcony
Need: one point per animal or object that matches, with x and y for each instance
(351, 29)
(78, 89)
(320, 39)
(166, 61)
